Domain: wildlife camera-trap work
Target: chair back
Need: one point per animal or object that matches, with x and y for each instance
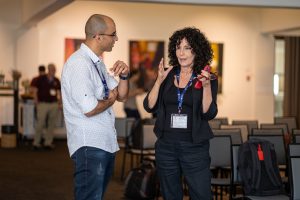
(243, 128)
(294, 174)
(235, 134)
(214, 124)
(284, 127)
(121, 127)
(297, 139)
(296, 135)
(149, 138)
(251, 124)
(273, 131)
(223, 120)
(220, 151)
(278, 142)
(296, 131)
(130, 122)
(235, 159)
(294, 149)
(290, 121)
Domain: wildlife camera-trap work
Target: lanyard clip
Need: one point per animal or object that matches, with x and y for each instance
(179, 110)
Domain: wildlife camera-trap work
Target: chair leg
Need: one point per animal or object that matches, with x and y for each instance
(216, 192)
(230, 192)
(131, 160)
(221, 192)
(123, 164)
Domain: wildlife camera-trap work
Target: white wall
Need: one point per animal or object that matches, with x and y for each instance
(280, 19)
(28, 53)
(247, 52)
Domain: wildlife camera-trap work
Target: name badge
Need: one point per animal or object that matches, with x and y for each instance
(53, 92)
(179, 121)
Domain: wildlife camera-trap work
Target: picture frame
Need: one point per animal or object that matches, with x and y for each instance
(144, 58)
(217, 63)
(71, 45)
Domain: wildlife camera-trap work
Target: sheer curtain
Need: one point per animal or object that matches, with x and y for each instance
(291, 100)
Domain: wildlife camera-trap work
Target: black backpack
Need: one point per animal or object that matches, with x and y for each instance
(258, 169)
(141, 182)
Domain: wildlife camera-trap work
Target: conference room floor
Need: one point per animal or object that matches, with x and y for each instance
(46, 175)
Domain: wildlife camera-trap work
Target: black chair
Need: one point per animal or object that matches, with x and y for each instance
(296, 131)
(235, 134)
(294, 174)
(220, 153)
(294, 150)
(214, 124)
(123, 127)
(284, 127)
(287, 135)
(273, 197)
(290, 121)
(242, 127)
(146, 146)
(251, 124)
(269, 131)
(297, 138)
(237, 181)
(223, 120)
(296, 135)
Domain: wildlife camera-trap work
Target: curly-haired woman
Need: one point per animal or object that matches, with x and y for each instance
(184, 97)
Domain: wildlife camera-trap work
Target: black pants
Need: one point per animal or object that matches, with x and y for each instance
(175, 159)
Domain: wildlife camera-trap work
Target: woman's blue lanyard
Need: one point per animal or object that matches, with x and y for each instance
(181, 94)
(106, 90)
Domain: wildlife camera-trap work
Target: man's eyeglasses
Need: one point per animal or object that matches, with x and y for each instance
(114, 34)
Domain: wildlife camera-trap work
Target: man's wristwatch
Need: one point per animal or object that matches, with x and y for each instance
(124, 77)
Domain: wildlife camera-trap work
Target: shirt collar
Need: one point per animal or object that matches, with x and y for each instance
(90, 53)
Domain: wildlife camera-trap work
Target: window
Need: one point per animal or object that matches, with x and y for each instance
(278, 80)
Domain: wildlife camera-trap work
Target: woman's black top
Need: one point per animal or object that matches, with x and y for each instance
(201, 130)
(171, 106)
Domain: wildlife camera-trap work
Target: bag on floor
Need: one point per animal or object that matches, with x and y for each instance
(141, 183)
(258, 168)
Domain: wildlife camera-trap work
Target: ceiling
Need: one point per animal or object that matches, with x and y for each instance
(25, 13)
(10, 11)
(256, 3)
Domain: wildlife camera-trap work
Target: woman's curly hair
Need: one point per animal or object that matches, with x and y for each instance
(199, 44)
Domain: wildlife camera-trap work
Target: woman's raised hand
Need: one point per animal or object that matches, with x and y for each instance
(162, 73)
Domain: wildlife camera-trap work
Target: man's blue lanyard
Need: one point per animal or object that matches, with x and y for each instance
(181, 94)
(106, 90)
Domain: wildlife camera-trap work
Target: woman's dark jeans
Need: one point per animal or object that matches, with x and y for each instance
(174, 159)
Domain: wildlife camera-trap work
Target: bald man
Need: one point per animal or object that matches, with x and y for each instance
(88, 93)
